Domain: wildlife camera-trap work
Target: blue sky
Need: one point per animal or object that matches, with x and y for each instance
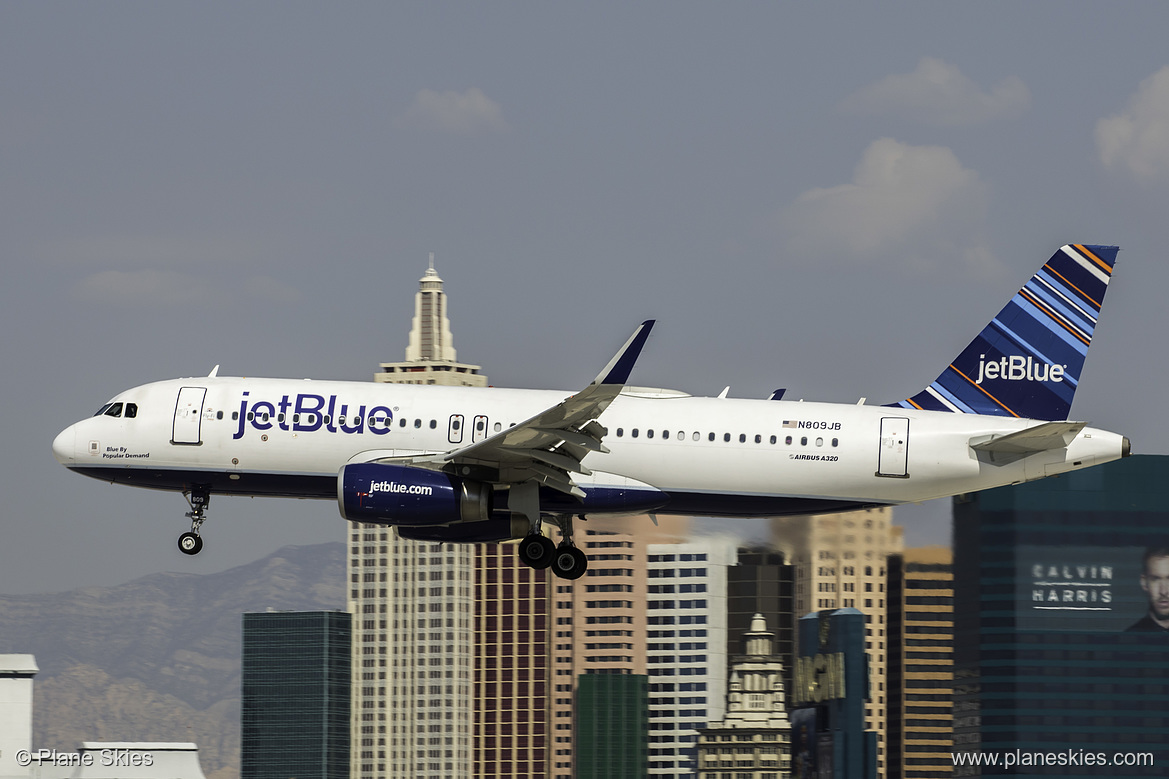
(824, 197)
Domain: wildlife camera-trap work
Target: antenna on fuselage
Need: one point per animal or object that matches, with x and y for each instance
(214, 372)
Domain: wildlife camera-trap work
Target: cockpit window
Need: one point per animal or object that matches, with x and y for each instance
(131, 410)
(103, 409)
(115, 410)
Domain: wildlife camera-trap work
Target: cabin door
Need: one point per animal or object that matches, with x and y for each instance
(188, 416)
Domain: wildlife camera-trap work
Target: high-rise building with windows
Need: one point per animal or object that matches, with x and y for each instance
(921, 664)
(611, 726)
(600, 623)
(294, 708)
(450, 651)
(1061, 621)
(841, 561)
(761, 583)
(686, 647)
(430, 353)
(753, 739)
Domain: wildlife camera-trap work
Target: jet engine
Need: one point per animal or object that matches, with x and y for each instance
(400, 495)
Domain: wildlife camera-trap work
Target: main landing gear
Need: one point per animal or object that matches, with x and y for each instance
(197, 498)
(565, 560)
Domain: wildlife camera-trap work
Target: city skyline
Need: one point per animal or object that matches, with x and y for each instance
(801, 202)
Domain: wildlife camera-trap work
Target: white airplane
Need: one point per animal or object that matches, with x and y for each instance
(461, 464)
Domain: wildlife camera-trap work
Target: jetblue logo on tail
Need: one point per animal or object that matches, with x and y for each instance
(1017, 368)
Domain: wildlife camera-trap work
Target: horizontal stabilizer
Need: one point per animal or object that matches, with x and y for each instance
(1051, 435)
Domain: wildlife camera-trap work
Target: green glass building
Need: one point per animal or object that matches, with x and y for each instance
(1059, 667)
(295, 695)
(612, 726)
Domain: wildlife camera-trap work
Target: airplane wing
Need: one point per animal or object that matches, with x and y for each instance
(1050, 435)
(548, 448)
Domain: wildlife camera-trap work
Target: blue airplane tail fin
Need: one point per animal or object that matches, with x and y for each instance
(1027, 361)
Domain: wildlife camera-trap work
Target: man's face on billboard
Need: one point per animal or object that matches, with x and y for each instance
(1155, 582)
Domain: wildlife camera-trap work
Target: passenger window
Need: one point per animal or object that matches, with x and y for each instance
(251, 415)
(696, 435)
(417, 423)
(115, 410)
(710, 437)
(296, 417)
(633, 432)
(819, 442)
(788, 440)
(433, 424)
(804, 441)
(402, 423)
(773, 439)
(620, 432)
(742, 438)
(132, 411)
(836, 442)
(498, 426)
(726, 438)
(649, 433)
(218, 414)
(235, 415)
(758, 439)
(666, 435)
(280, 417)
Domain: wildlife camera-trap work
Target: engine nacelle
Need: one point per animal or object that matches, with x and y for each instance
(401, 495)
(470, 532)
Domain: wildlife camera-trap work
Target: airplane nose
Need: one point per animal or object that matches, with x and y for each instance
(64, 446)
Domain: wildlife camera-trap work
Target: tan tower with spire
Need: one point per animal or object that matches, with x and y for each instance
(430, 352)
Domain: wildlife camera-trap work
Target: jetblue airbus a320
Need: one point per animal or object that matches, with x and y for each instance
(462, 464)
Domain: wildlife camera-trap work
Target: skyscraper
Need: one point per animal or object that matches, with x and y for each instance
(921, 664)
(753, 738)
(450, 655)
(430, 353)
(1062, 622)
(841, 561)
(686, 647)
(294, 708)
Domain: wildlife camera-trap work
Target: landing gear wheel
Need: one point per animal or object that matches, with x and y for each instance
(569, 562)
(537, 551)
(197, 498)
(190, 543)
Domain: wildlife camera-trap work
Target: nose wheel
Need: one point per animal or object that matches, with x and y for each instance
(197, 498)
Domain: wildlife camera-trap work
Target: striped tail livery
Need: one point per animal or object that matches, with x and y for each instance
(1027, 362)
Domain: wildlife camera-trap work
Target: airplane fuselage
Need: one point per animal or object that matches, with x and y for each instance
(708, 456)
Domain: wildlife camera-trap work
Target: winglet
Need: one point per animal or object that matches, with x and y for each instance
(619, 368)
(214, 372)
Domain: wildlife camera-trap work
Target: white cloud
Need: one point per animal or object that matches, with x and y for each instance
(457, 113)
(156, 289)
(937, 93)
(1137, 141)
(914, 207)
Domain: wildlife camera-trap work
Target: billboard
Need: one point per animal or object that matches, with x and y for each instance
(1093, 588)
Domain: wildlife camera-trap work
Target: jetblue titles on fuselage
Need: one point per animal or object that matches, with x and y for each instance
(306, 413)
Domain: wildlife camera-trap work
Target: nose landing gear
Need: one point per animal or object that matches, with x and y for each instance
(197, 498)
